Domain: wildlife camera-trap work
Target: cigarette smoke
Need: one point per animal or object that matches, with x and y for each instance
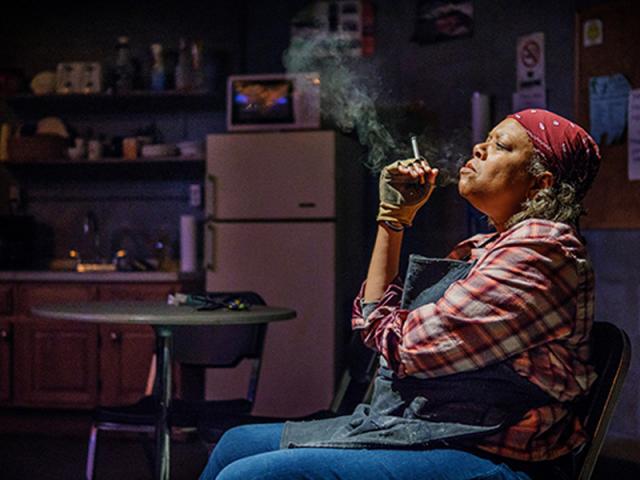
(348, 97)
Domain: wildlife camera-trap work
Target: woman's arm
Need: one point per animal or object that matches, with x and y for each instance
(404, 187)
(384, 264)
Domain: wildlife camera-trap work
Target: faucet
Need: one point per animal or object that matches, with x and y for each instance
(91, 238)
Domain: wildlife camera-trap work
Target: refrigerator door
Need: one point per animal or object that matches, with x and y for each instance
(289, 264)
(272, 175)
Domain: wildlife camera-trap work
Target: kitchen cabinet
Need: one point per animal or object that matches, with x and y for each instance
(55, 363)
(5, 361)
(126, 350)
(6, 341)
(61, 364)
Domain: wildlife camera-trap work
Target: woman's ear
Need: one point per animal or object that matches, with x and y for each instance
(544, 180)
(540, 182)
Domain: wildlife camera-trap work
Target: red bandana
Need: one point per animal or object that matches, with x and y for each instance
(567, 149)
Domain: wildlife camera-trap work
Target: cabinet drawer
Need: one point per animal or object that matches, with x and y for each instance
(136, 292)
(39, 294)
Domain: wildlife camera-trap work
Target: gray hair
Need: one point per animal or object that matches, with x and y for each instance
(557, 203)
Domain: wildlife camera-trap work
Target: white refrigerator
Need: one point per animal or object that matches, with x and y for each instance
(284, 219)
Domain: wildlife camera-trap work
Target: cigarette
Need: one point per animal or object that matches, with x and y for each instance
(416, 153)
(414, 145)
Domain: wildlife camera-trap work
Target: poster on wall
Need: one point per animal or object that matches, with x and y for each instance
(340, 26)
(608, 101)
(634, 135)
(531, 90)
(438, 20)
(530, 59)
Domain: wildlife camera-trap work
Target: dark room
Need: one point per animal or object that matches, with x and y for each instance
(320, 239)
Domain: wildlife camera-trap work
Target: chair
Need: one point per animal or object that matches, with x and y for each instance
(611, 356)
(355, 386)
(193, 346)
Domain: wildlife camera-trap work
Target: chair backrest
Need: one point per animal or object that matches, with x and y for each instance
(356, 381)
(220, 346)
(611, 350)
(223, 346)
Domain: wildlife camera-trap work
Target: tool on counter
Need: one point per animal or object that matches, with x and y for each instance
(209, 301)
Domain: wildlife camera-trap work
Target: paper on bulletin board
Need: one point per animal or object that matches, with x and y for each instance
(634, 135)
(608, 102)
(534, 97)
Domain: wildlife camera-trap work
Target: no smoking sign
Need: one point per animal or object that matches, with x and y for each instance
(530, 61)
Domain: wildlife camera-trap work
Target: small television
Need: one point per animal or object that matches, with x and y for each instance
(279, 101)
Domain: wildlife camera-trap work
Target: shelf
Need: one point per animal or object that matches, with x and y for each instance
(106, 160)
(101, 103)
(110, 169)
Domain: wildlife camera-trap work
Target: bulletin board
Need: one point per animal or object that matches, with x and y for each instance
(614, 201)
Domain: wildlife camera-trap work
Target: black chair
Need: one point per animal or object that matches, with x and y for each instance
(355, 386)
(611, 356)
(611, 351)
(194, 348)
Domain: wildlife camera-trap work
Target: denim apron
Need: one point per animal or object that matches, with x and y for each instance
(414, 412)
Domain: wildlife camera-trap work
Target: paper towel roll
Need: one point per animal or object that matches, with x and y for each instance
(188, 249)
(480, 117)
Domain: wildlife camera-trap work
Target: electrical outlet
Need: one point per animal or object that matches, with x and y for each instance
(195, 195)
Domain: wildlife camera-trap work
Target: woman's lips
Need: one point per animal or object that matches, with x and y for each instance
(468, 167)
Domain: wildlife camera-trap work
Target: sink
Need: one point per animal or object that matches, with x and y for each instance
(72, 265)
(95, 267)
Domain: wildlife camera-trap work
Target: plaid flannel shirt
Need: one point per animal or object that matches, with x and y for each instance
(528, 300)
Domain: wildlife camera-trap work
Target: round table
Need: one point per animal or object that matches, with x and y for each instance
(162, 317)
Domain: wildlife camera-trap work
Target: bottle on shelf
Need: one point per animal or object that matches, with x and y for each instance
(184, 68)
(124, 66)
(197, 58)
(158, 78)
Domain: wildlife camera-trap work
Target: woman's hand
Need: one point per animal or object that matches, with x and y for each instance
(405, 186)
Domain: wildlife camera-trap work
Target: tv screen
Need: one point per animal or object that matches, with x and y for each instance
(263, 101)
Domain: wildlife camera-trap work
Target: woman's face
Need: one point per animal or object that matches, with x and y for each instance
(496, 180)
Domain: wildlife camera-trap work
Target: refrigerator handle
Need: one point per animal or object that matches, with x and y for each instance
(210, 262)
(209, 195)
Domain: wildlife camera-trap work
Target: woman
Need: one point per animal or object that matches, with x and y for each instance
(479, 360)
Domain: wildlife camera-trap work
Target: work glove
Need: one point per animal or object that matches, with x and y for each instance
(401, 194)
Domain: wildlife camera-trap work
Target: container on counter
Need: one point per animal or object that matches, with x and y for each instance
(130, 148)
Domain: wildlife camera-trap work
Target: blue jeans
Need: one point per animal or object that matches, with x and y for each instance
(252, 452)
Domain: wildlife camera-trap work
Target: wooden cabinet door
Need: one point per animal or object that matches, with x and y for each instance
(5, 361)
(126, 351)
(6, 300)
(6, 340)
(55, 362)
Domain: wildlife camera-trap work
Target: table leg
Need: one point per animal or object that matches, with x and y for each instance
(163, 433)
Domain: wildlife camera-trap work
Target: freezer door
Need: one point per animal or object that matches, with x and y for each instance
(272, 175)
(292, 265)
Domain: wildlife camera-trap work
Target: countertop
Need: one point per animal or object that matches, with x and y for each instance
(103, 277)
